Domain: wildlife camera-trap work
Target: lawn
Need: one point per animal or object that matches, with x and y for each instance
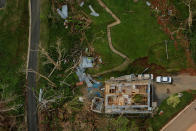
(138, 35)
(14, 27)
(13, 45)
(97, 32)
(159, 121)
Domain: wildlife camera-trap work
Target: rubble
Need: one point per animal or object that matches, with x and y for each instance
(97, 104)
(64, 12)
(93, 13)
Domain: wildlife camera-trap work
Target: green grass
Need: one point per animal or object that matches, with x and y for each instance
(138, 35)
(159, 121)
(97, 32)
(14, 25)
(176, 57)
(138, 31)
(13, 44)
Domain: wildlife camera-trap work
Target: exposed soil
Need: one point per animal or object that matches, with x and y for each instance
(190, 71)
(153, 68)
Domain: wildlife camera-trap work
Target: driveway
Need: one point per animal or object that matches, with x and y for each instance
(181, 83)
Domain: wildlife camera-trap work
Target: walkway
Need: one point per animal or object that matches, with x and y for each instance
(116, 22)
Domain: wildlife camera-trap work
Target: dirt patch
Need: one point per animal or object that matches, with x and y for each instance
(190, 71)
(153, 68)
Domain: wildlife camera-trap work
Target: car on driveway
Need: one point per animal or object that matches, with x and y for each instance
(164, 79)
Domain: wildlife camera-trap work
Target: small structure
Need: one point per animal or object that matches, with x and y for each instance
(64, 12)
(97, 104)
(93, 13)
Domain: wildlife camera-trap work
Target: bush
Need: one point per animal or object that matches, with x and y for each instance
(173, 100)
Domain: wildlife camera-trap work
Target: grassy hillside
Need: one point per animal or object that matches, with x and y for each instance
(13, 48)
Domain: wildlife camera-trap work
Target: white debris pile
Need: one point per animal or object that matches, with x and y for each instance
(93, 13)
(64, 12)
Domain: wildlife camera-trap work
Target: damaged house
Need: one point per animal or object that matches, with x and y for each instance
(128, 94)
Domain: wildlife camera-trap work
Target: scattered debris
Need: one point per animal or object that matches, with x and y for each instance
(81, 99)
(93, 13)
(86, 62)
(180, 94)
(79, 83)
(148, 3)
(64, 12)
(82, 4)
(40, 95)
(161, 112)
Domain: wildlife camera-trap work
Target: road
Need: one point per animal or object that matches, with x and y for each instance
(181, 83)
(34, 34)
(2, 3)
(184, 120)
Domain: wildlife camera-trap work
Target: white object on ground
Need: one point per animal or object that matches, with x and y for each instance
(64, 12)
(81, 99)
(40, 95)
(93, 13)
(82, 4)
(180, 94)
(148, 3)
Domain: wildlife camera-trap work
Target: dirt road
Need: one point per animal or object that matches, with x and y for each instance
(181, 83)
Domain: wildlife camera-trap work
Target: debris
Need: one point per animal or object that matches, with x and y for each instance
(64, 12)
(93, 13)
(180, 94)
(161, 112)
(100, 60)
(86, 62)
(40, 95)
(148, 3)
(97, 104)
(81, 99)
(79, 83)
(82, 4)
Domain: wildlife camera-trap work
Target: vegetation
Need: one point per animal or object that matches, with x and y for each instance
(97, 36)
(173, 101)
(169, 110)
(14, 41)
(138, 98)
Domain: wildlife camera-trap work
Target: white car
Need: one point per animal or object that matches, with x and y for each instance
(164, 79)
